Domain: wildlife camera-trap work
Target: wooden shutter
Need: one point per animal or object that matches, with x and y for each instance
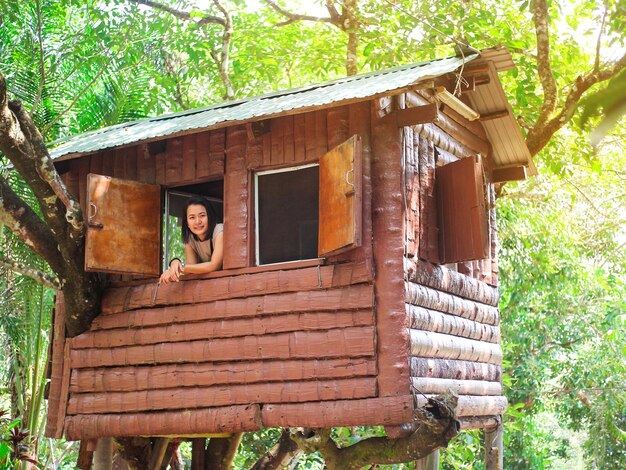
(462, 215)
(123, 227)
(340, 193)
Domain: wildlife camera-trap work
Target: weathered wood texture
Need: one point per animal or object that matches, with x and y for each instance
(385, 411)
(202, 421)
(57, 399)
(282, 336)
(427, 146)
(387, 200)
(176, 161)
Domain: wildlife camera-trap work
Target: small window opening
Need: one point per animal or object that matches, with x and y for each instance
(287, 204)
(175, 201)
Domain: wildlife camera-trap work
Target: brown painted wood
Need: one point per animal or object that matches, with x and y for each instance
(299, 138)
(337, 123)
(391, 331)
(130, 163)
(493, 236)
(203, 140)
(85, 455)
(430, 320)
(305, 321)
(197, 453)
(452, 369)
(358, 297)
(95, 163)
(146, 165)
(217, 153)
(310, 153)
(228, 287)
(119, 163)
(413, 116)
(417, 294)
(462, 216)
(236, 243)
(198, 421)
(55, 416)
(379, 411)
(120, 379)
(124, 226)
(461, 134)
(511, 173)
(321, 133)
(346, 342)
(288, 139)
(160, 168)
(189, 151)
(108, 161)
(202, 397)
(174, 161)
(277, 134)
(442, 140)
(340, 196)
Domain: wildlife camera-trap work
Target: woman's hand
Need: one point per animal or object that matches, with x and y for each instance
(173, 273)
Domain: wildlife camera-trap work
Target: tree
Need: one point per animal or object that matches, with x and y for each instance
(95, 60)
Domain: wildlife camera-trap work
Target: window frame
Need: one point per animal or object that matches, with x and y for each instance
(256, 210)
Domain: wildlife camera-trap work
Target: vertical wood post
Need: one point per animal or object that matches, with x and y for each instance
(158, 452)
(494, 449)
(430, 462)
(197, 453)
(103, 455)
(388, 232)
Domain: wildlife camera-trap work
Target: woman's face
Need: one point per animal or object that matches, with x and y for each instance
(198, 220)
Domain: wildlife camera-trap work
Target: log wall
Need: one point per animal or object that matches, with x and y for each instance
(451, 310)
(247, 346)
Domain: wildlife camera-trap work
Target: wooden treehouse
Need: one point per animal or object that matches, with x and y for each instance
(360, 272)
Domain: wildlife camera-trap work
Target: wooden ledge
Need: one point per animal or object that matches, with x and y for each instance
(287, 266)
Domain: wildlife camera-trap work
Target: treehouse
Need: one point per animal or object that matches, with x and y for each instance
(360, 272)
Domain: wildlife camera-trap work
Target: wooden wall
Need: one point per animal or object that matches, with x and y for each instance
(247, 346)
(452, 310)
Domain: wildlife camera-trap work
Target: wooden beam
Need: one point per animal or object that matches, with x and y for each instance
(494, 115)
(413, 116)
(511, 173)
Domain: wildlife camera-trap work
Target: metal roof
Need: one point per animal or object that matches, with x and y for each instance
(313, 96)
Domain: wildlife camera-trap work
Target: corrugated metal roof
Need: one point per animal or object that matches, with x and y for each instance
(351, 88)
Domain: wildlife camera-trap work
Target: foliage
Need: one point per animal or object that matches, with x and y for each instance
(79, 66)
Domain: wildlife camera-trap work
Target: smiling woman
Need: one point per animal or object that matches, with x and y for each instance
(202, 235)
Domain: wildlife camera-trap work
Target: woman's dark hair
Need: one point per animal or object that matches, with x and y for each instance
(213, 216)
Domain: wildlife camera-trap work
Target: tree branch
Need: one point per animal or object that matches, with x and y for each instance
(279, 456)
(25, 224)
(182, 15)
(293, 17)
(45, 279)
(224, 54)
(22, 143)
(438, 426)
(544, 68)
(539, 136)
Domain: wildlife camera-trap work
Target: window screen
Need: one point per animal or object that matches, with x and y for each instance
(287, 214)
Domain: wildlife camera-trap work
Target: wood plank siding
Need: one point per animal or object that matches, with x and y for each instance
(452, 310)
(247, 346)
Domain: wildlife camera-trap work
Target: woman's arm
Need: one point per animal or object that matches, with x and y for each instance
(173, 273)
(217, 257)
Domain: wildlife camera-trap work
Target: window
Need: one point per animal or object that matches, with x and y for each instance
(462, 211)
(286, 203)
(175, 200)
(310, 211)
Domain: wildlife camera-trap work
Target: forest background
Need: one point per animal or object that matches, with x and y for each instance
(83, 65)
